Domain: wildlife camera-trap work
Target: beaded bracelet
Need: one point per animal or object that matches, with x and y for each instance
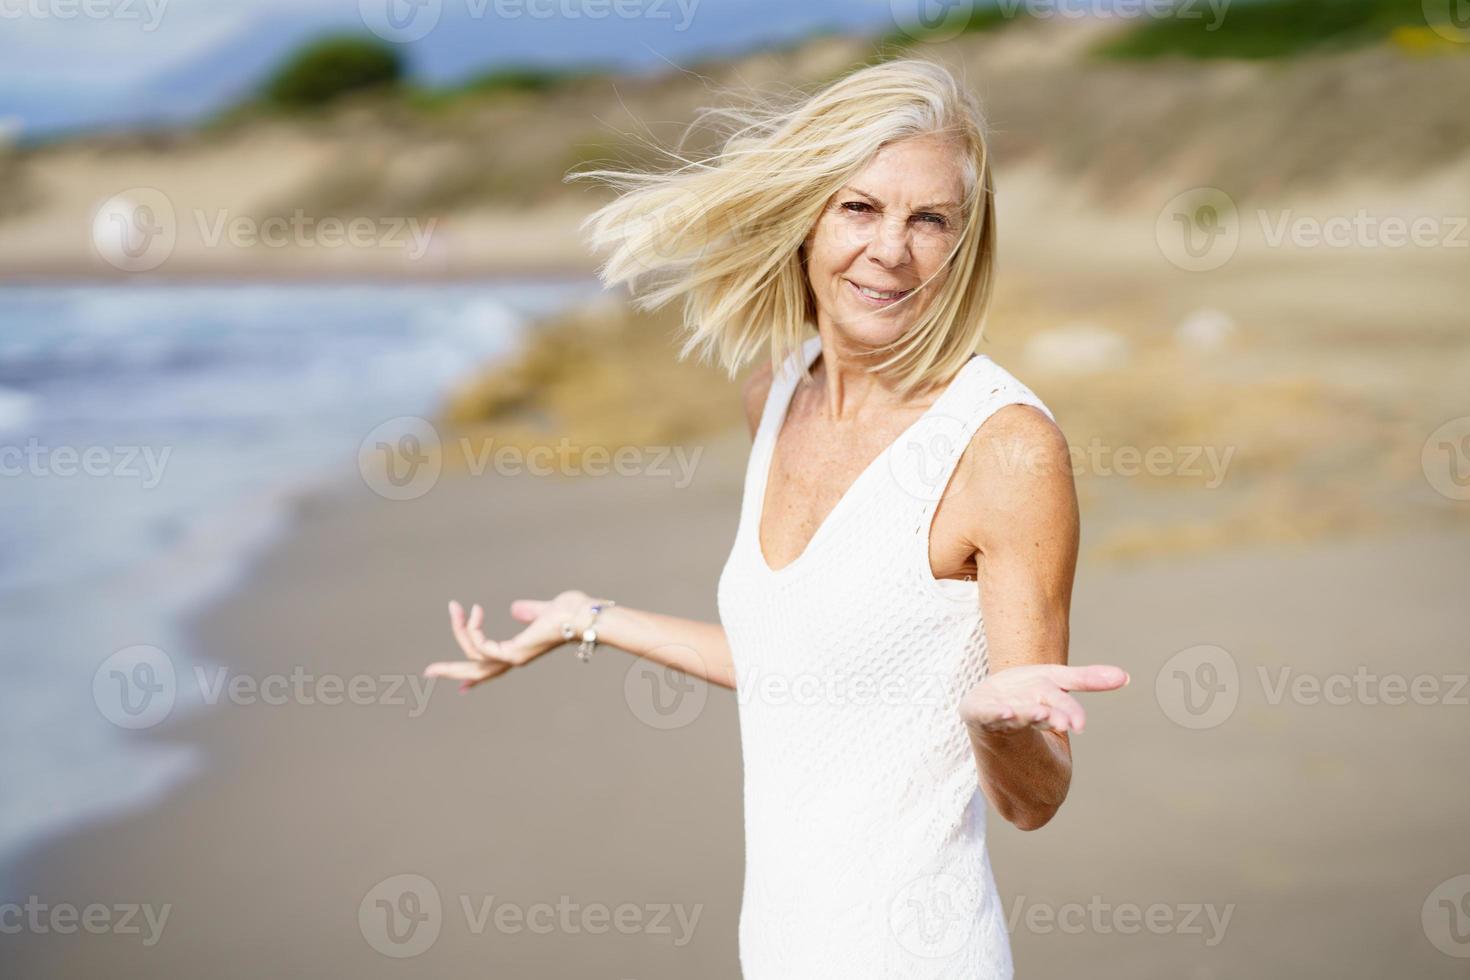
(589, 635)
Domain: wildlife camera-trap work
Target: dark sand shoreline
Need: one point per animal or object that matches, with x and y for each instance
(1320, 828)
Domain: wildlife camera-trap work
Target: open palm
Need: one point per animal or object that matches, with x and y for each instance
(1036, 696)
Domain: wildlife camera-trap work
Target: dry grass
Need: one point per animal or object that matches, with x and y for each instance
(604, 376)
(1252, 450)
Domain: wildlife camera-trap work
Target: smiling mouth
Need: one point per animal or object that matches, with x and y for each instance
(881, 297)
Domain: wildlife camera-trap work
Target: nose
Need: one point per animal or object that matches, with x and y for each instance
(889, 246)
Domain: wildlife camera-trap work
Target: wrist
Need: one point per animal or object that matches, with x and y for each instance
(588, 634)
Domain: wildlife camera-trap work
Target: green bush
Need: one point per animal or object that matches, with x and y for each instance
(331, 68)
(518, 79)
(1266, 28)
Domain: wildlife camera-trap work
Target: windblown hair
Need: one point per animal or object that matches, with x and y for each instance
(726, 233)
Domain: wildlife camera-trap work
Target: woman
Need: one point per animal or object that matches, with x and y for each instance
(895, 479)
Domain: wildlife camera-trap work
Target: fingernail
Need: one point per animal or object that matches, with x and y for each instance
(464, 686)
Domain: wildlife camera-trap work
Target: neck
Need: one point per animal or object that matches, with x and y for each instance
(850, 389)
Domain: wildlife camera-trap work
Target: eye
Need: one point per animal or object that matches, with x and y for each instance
(857, 207)
(929, 217)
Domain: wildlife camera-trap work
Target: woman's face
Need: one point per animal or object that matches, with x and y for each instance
(888, 230)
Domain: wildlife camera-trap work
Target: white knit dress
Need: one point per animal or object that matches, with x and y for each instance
(864, 823)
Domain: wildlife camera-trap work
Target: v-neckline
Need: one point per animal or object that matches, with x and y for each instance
(829, 518)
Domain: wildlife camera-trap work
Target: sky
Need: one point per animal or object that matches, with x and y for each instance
(77, 64)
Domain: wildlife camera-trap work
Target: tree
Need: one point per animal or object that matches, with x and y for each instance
(333, 67)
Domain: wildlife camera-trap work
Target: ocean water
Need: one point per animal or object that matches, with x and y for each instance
(148, 438)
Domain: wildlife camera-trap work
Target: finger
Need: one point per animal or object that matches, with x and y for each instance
(1047, 722)
(1062, 703)
(526, 610)
(456, 625)
(515, 651)
(461, 632)
(489, 675)
(1097, 677)
(485, 649)
(492, 671)
(460, 670)
(1036, 714)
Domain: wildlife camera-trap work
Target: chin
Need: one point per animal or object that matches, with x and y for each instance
(866, 329)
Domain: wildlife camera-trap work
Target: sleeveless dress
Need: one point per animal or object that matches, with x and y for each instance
(864, 820)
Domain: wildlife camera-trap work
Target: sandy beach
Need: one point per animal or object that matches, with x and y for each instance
(580, 820)
(1263, 385)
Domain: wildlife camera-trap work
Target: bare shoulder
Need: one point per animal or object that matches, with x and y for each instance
(1016, 478)
(1019, 427)
(754, 390)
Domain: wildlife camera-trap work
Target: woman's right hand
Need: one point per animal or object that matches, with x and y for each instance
(487, 659)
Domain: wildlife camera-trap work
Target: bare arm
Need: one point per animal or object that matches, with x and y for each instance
(691, 646)
(1021, 508)
(696, 648)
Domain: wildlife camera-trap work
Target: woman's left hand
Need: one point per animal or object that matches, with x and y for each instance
(1036, 696)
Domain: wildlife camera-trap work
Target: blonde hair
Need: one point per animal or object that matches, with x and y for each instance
(725, 233)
